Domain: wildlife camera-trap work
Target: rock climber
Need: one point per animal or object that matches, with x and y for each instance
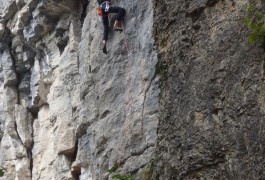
(104, 9)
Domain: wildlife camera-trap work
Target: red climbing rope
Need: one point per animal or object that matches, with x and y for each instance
(125, 128)
(129, 72)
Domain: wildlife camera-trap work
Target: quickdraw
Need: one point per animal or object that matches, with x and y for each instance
(99, 10)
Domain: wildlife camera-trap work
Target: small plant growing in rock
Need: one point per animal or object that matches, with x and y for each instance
(1, 172)
(255, 21)
(118, 176)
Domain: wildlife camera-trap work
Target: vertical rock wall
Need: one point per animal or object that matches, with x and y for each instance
(119, 94)
(211, 124)
(39, 88)
(67, 110)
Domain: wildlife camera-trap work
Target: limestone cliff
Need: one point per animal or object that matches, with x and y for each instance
(180, 94)
(211, 122)
(67, 110)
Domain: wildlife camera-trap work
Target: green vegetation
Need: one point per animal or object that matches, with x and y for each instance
(1, 172)
(255, 21)
(121, 177)
(117, 176)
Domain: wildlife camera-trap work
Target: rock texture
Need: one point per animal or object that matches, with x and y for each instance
(211, 123)
(180, 94)
(119, 94)
(68, 111)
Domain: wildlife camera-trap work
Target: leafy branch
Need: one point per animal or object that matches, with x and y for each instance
(255, 21)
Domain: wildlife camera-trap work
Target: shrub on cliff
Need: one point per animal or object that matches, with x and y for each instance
(117, 176)
(255, 21)
(1, 172)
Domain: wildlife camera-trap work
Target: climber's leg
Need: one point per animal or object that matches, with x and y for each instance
(121, 13)
(105, 21)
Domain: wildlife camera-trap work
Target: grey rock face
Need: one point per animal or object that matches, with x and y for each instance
(178, 96)
(212, 113)
(119, 94)
(69, 111)
(10, 78)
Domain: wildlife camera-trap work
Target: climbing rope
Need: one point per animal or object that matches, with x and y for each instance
(125, 129)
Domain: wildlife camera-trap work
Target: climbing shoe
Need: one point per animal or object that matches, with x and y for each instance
(105, 50)
(117, 26)
(104, 47)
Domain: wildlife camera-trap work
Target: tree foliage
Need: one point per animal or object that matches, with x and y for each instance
(255, 21)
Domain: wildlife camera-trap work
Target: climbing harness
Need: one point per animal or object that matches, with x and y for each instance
(105, 5)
